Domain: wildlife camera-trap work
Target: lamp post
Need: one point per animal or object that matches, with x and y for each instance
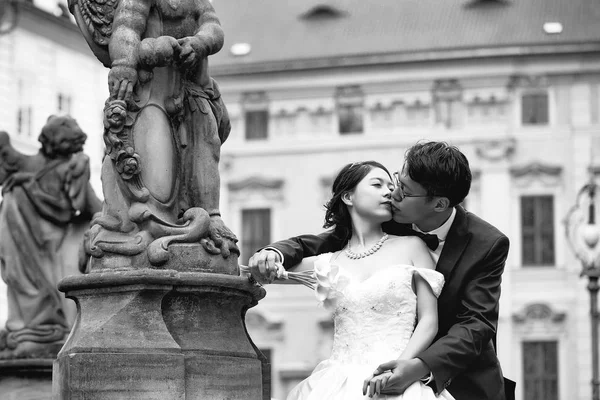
(9, 15)
(583, 235)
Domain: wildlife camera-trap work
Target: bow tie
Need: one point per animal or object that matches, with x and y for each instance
(432, 241)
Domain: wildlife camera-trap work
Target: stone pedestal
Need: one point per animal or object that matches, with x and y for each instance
(159, 334)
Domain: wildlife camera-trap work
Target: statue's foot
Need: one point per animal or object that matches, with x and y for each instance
(221, 239)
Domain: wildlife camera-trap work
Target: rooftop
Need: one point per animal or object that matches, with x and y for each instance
(288, 34)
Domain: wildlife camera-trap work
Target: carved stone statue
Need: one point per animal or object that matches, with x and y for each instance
(161, 312)
(47, 204)
(164, 124)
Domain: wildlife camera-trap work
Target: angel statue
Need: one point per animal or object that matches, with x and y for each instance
(164, 124)
(46, 206)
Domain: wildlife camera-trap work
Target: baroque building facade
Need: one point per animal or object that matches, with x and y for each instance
(524, 107)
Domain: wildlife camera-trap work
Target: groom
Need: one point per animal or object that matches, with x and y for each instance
(469, 252)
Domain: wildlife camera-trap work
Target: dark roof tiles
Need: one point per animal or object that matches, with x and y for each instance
(277, 31)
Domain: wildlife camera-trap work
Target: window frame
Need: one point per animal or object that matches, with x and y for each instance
(537, 183)
(518, 103)
(543, 375)
(350, 97)
(538, 248)
(252, 245)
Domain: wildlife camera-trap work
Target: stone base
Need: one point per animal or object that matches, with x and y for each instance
(186, 257)
(26, 379)
(151, 334)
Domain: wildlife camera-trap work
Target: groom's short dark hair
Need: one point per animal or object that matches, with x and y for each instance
(441, 169)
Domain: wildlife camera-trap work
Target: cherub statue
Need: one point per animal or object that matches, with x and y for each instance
(164, 124)
(46, 206)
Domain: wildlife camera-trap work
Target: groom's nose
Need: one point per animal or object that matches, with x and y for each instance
(397, 194)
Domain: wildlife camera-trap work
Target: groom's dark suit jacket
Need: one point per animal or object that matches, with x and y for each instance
(462, 356)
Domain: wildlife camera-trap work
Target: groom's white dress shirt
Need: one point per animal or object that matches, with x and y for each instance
(441, 233)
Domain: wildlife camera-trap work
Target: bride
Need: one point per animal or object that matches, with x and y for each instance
(382, 290)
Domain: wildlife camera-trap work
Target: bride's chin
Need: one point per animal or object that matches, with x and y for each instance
(384, 218)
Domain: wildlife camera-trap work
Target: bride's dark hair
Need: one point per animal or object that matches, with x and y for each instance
(336, 211)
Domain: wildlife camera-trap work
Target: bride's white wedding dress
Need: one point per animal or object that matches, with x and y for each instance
(374, 320)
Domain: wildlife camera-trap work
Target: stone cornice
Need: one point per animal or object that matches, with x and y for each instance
(402, 58)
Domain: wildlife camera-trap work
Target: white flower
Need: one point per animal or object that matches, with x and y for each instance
(330, 283)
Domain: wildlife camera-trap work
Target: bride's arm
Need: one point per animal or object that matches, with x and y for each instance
(427, 313)
(427, 317)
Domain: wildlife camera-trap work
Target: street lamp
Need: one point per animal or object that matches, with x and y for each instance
(583, 235)
(9, 15)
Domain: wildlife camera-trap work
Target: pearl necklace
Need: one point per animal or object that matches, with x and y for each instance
(355, 256)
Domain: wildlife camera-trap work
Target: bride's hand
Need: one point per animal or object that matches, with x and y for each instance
(375, 383)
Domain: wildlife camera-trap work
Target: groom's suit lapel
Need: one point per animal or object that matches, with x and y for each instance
(457, 240)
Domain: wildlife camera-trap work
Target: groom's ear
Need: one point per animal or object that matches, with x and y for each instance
(442, 204)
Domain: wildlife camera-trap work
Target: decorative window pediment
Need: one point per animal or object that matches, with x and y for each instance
(256, 186)
(537, 313)
(528, 82)
(496, 150)
(547, 175)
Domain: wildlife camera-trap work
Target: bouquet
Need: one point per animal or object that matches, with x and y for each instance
(306, 278)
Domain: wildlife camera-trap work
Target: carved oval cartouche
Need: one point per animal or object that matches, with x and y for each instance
(153, 141)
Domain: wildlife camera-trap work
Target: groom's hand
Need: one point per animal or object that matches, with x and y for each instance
(263, 265)
(404, 374)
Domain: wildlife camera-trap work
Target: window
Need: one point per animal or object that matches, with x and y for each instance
(24, 110)
(350, 118)
(257, 124)
(64, 103)
(417, 113)
(256, 228)
(540, 370)
(350, 109)
(534, 109)
(24, 120)
(448, 103)
(537, 230)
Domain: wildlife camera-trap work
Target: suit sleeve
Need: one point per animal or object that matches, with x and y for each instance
(477, 320)
(299, 247)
